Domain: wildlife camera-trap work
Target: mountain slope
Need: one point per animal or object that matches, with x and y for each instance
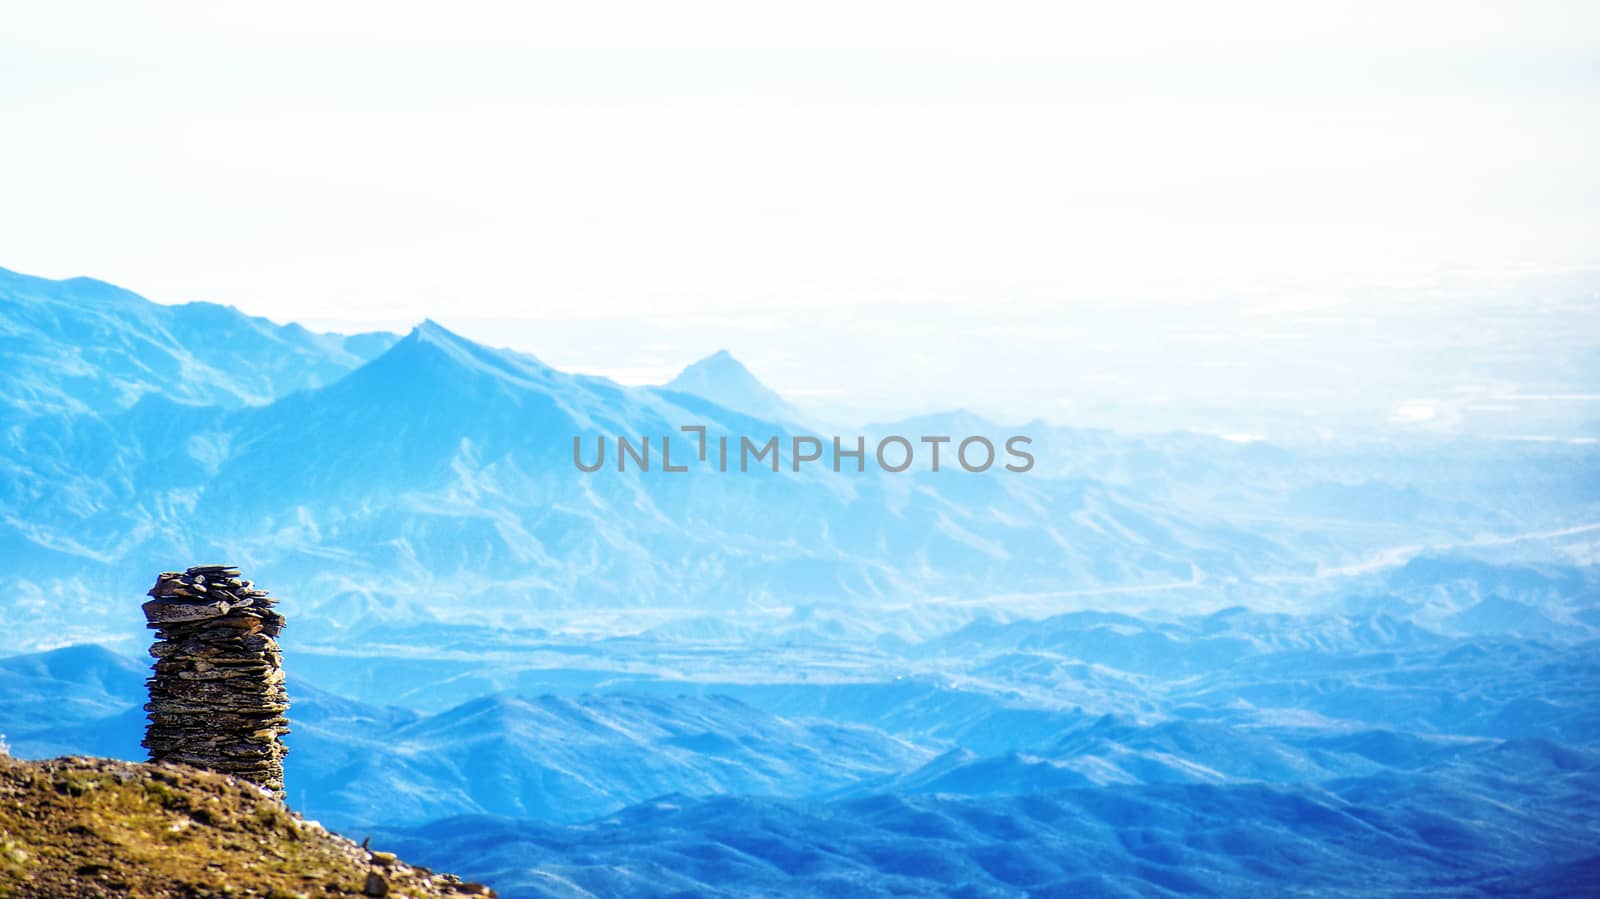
(79, 828)
(569, 759)
(559, 758)
(80, 345)
(441, 475)
(436, 484)
(79, 700)
(1451, 830)
(725, 381)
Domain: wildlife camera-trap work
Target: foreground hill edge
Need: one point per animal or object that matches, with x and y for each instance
(79, 827)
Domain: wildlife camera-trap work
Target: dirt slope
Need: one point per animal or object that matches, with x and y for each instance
(81, 827)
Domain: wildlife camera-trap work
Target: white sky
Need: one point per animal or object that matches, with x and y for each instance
(879, 207)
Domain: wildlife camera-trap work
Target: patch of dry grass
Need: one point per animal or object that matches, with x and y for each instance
(81, 828)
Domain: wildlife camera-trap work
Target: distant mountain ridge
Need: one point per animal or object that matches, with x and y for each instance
(1158, 665)
(440, 460)
(80, 345)
(376, 481)
(556, 758)
(1445, 830)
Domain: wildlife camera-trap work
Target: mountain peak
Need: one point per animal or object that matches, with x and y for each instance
(724, 380)
(435, 353)
(720, 364)
(432, 331)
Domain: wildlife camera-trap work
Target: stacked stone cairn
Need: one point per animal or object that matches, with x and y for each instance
(217, 699)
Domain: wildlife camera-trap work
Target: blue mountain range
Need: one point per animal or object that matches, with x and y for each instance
(1155, 665)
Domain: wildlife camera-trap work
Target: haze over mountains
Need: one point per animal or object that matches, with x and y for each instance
(390, 493)
(1155, 665)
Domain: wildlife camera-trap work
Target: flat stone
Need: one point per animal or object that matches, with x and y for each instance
(160, 612)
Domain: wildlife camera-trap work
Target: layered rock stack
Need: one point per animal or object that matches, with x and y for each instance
(217, 699)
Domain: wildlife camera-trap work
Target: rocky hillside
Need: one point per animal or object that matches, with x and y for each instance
(81, 827)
